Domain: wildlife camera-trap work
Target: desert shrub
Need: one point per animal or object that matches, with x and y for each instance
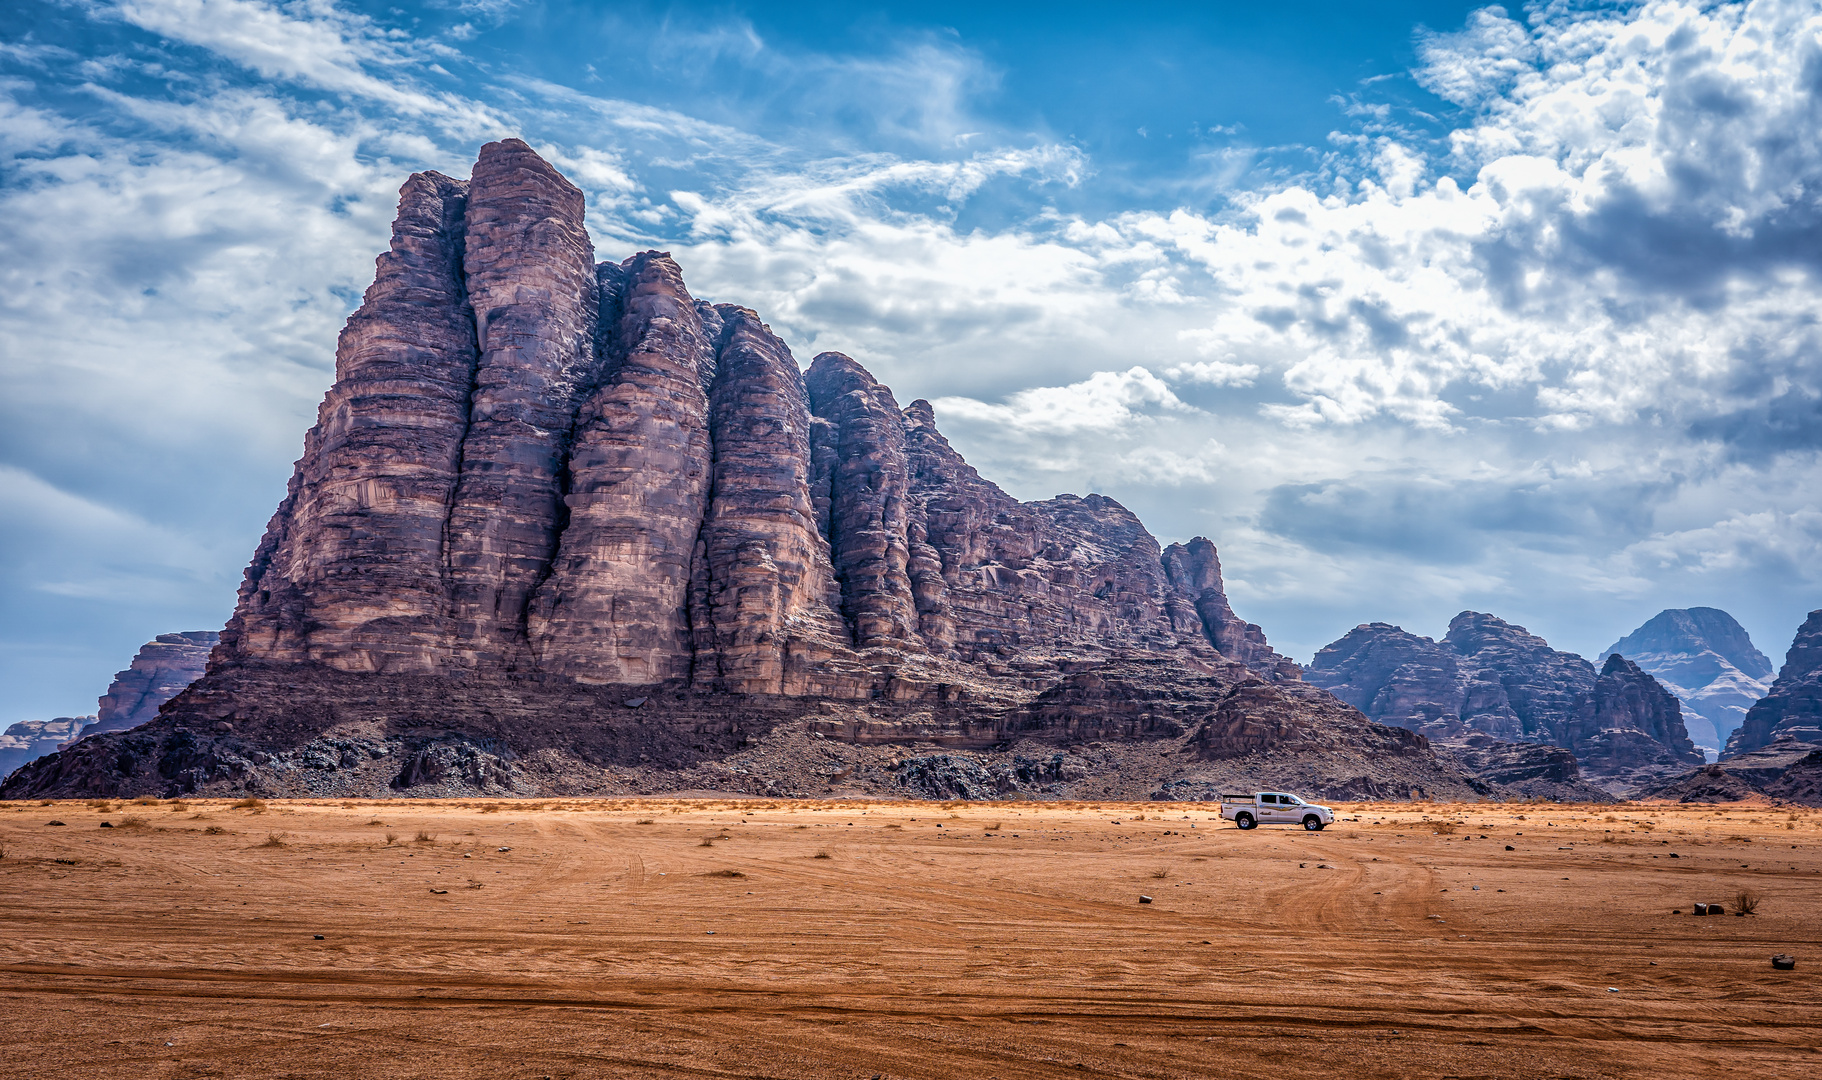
(103, 805)
(249, 803)
(145, 800)
(643, 821)
(724, 873)
(135, 822)
(894, 826)
(1160, 874)
(823, 855)
(1746, 901)
(215, 830)
(423, 837)
(273, 840)
(996, 826)
(491, 808)
(1444, 828)
(376, 821)
(2, 851)
(391, 838)
(178, 805)
(707, 842)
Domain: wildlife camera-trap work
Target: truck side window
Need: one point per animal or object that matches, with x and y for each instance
(1273, 799)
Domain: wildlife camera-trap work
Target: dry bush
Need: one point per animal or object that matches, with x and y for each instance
(273, 840)
(894, 826)
(424, 837)
(1444, 828)
(377, 821)
(1610, 817)
(103, 805)
(706, 842)
(215, 830)
(1160, 874)
(2, 851)
(178, 805)
(491, 808)
(823, 855)
(643, 821)
(134, 822)
(145, 800)
(724, 873)
(1746, 901)
(996, 826)
(249, 803)
(391, 838)
(1137, 817)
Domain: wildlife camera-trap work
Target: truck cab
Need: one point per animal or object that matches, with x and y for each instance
(1275, 808)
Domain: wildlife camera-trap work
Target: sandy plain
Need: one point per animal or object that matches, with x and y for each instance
(707, 938)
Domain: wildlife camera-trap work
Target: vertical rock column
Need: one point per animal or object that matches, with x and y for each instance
(531, 280)
(763, 585)
(868, 510)
(614, 609)
(350, 572)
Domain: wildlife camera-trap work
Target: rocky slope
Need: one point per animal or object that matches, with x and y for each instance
(29, 740)
(562, 526)
(1786, 770)
(1704, 657)
(1793, 707)
(160, 671)
(1490, 680)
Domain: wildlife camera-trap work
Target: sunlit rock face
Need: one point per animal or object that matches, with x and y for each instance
(1704, 657)
(1488, 679)
(160, 671)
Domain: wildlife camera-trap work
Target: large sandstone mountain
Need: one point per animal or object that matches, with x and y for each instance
(563, 527)
(1704, 657)
(1489, 682)
(1792, 710)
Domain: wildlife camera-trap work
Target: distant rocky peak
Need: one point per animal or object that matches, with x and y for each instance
(1706, 659)
(1693, 630)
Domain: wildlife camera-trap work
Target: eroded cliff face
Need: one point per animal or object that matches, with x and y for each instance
(1793, 708)
(1490, 679)
(161, 670)
(562, 525)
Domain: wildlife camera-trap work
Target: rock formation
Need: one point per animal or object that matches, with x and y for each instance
(29, 740)
(1708, 661)
(1490, 680)
(562, 526)
(1793, 708)
(1785, 770)
(159, 672)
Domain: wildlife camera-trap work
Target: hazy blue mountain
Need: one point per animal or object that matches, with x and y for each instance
(1706, 658)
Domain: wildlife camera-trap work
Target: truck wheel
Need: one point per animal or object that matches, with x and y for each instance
(1244, 821)
(1312, 823)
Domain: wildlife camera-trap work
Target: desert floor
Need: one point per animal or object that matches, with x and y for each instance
(714, 938)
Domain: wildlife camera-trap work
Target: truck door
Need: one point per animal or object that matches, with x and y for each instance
(1281, 808)
(1268, 809)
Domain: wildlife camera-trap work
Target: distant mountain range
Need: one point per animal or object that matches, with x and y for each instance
(1706, 658)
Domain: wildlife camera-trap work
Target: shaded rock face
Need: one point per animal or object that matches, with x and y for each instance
(29, 740)
(160, 671)
(1704, 657)
(1533, 770)
(1793, 707)
(1490, 679)
(542, 488)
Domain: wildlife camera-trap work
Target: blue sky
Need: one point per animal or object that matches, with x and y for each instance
(1411, 307)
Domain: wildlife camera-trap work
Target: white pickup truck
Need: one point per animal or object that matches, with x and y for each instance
(1274, 808)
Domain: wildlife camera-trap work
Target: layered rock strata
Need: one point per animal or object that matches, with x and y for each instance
(1488, 679)
(160, 671)
(560, 515)
(1706, 658)
(1793, 707)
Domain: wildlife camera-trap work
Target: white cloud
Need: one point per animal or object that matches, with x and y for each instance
(1107, 402)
